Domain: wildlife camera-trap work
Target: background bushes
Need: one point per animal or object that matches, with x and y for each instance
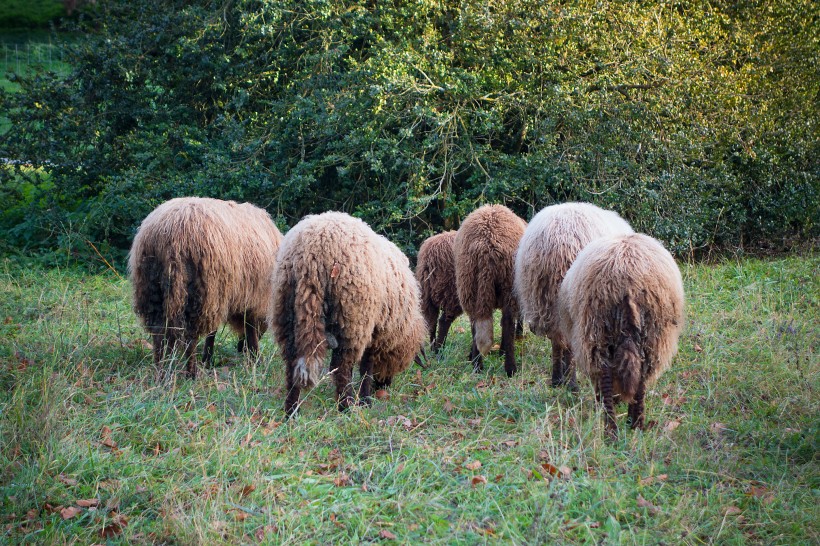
(696, 121)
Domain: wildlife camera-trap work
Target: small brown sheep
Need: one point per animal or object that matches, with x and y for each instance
(553, 239)
(436, 274)
(338, 284)
(621, 308)
(484, 250)
(197, 263)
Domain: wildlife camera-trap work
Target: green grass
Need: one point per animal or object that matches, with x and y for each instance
(213, 461)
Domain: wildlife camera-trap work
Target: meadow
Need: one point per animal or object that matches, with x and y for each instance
(95, 447)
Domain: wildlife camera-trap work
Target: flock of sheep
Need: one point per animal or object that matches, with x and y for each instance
(610, 300)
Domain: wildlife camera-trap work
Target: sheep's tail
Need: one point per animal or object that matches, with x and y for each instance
(628, 357)
(309, 330)
(483, 335)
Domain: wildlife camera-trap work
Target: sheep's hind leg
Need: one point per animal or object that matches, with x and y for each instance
(568, 370)
(251, 338)
(208, 349)
(366, 373)
(292, 398)
(636, 408)
(557, 364)
(508, 341)
(444, 323)
(606, 398)
(190, 358)
(341, 365)
(475, 357)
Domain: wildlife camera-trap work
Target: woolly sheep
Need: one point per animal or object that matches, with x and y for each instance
(621, 308)
(436, 274)
(484, 251)
(553, 239)
(197, 263)
(339, 285)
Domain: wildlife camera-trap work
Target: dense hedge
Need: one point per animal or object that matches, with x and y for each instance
(696, 120)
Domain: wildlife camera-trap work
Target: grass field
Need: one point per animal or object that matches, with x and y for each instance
(95, 448)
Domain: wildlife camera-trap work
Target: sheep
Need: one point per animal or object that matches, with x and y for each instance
(436, 274)
(197, 263)
(339, 285)
(484, 250)
(621, 307)
(553, 239)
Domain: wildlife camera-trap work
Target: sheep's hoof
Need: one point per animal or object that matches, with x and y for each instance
(240, 345)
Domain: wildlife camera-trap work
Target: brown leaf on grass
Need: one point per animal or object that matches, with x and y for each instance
(475, 465)
(8, 320)
(448, 406)
(69, 512)
(335, 520)
(479, 480)
(32, 514)
(717, 428)
(105, 438)
(551, 469)
(261, 533)
(498, 478)
(382, 394)
(240, 515)
(566, 472)
(643, 503)
(474, 422)
(671, 425)
(731, 510)
(87, 503)
(509, 443)
(342, 480)
(594, 524)
(247, 490)
(482, 384)
(761, 492)
(652, 479)
(387, 535)
(111, 529)
(698, 348)
(66, 480)
(399, 467)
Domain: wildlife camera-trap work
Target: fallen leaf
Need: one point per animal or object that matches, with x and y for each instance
(105, 438)
(671, 425)
(262, 532)
(448, 406)
(475, 465)
(498, 478)
(652, 479)
(481, 385)
(239, 515)
(399, 467)
(342, 480)
(460, 329)
(382, 394)
(66, 480)
(69, 512)
(551, 469)
(387, 535)
(247, 490)
(643, 503)
(87, 503)
(732, 510)
(717, 428)
(594, 524)
(566, 472)
(479, 480)
(474, 422)
(698, 348)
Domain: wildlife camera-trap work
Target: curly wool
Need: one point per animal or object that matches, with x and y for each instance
(553, 239)
(621, 306)
(484, 251)
(336, 282)
(436, 274)
(197, 263)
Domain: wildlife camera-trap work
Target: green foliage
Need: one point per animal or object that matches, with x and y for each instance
(692, 119)
(29, 13)
(83, 415)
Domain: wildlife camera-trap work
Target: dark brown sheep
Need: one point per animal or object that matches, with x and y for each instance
(436, 274)
(197, 263)
(621, 309)
(484, 250)
(339, 285)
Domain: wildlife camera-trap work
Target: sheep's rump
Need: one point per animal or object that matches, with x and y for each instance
(436, 275)
(335, 279)
(197, 262)
(552, 240)
(616, 286)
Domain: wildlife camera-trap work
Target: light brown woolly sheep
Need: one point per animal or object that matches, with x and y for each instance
(436, 274)
(621, 308)
(484, 250)
(338, 284)
(553, 239)
(197, 263)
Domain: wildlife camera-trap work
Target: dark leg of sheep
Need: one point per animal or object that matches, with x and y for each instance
(519, 329)
(636, 408)
(342, 363)
(382, 384)
(208, 350)
(508, 341)
(240, 345)
(430, 313)
(606, 397)
(160, 348)
(557, 364)
(444, 323)
(568, 370)
(366, 373)
(475, 357)
(190, 358)
(292, 399)
(251, 338)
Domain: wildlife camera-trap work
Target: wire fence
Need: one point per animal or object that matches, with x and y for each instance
(22, 58)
